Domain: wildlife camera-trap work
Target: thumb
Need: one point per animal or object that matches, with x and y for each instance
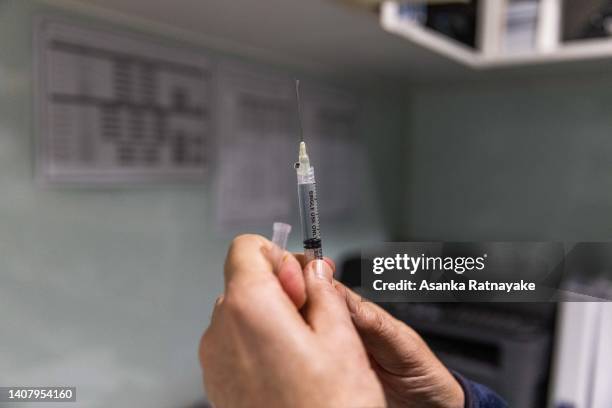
(326, 311)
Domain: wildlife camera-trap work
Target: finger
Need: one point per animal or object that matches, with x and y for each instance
(214, 318)
(217, 306)
(393, 344)
(302, 260)
(366, 315)
(249, 278)
(248, 262)
(291, 278)
(253, 294)
(326, 311)
(219, 300)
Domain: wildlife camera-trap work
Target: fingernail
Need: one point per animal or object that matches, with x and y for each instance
(321, 270)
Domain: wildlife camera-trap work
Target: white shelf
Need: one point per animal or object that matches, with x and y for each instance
(392, 22)
(548, 47)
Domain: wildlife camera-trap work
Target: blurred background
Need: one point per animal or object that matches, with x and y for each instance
(137, 137)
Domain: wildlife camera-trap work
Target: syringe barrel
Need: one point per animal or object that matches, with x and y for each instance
(309, 214)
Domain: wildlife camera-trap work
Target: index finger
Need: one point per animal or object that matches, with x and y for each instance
(248, 261)
(252, 289)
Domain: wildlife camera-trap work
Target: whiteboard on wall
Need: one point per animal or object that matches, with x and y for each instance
(258, 145)
(115, 108)
(257, 148)
(330, 130)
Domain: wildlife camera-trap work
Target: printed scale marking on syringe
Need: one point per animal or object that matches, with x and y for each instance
(307, 195)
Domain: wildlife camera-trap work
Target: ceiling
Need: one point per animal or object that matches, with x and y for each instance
(321, 37)
(317, 36)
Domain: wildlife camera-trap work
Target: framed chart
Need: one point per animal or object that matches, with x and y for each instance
(114, 108)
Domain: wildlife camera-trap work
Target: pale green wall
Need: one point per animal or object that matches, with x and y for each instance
(511, 160)
(109, 289)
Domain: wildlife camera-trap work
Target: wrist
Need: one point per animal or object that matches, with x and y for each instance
(456, 395)
(463, 385)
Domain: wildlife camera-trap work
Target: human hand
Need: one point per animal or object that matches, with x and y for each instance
(409, 372)
(411, 375)
(260, 351)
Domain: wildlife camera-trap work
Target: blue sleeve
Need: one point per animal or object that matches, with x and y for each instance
(479, 396)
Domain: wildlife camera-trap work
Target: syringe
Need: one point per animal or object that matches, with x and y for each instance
(307, 195)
